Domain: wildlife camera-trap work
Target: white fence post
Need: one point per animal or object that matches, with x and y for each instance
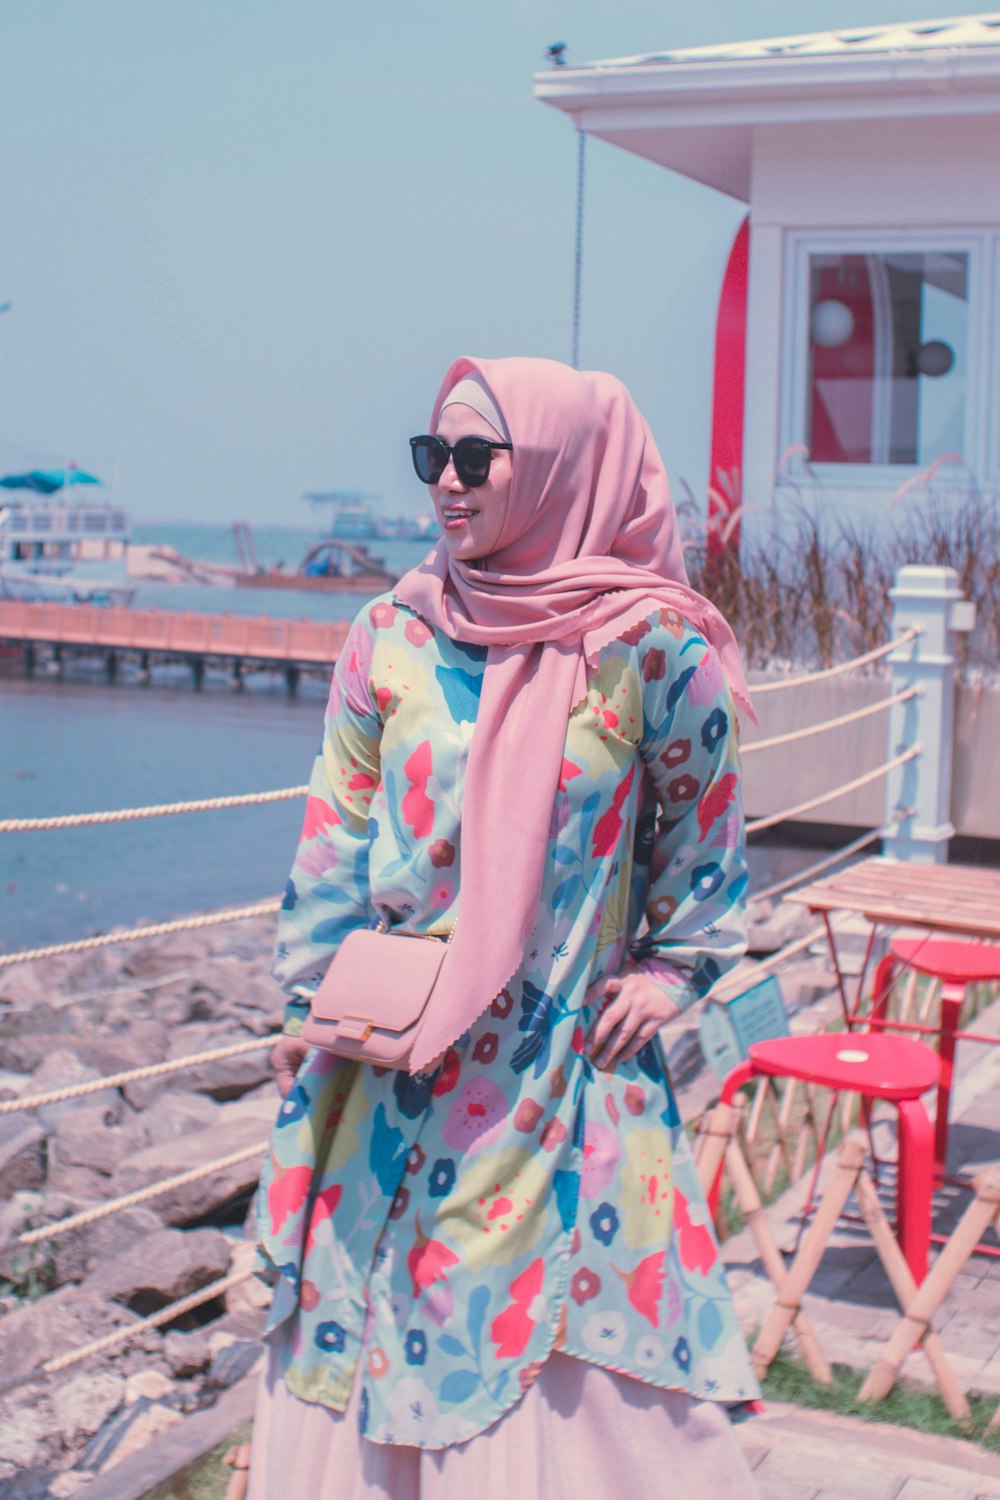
(918, 794)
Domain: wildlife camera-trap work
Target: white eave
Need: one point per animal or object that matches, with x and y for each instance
(695, 111)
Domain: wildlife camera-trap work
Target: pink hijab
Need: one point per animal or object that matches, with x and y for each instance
(589, 546)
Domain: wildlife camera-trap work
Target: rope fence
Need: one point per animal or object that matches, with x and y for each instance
(87, 1216)
(845, 666)
(792, 735)
(126, 1335)
(756, 825)
(160, 810)
(134, 1075)
(155, 929)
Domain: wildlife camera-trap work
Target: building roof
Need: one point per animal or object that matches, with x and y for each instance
(695, 110)
(912, 36)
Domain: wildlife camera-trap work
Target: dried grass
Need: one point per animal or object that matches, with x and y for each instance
(809, 588)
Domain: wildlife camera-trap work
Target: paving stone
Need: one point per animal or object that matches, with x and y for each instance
(927, 1489)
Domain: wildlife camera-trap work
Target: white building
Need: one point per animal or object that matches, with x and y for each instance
(870, 164)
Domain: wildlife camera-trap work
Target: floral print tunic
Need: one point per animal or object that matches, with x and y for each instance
(451, 1230)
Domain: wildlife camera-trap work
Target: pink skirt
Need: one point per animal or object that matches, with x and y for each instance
(579, 1430)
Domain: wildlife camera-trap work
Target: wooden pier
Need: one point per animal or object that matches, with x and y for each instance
(147, 636)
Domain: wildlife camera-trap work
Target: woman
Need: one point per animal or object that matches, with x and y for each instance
(499, 1265)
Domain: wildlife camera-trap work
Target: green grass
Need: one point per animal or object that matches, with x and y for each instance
(208, 1479)
(906, 1405)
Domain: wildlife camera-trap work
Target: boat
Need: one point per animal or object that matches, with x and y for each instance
(54, 548)
(329, 564)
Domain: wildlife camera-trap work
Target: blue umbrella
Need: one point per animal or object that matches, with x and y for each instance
(47, 481)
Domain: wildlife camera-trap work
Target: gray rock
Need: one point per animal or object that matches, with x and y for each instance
(62, 1320)
(79, 1251)
(146, 1041)
(22, 1154)
(187, 1353)
(160, 1268)
(227, 1079)
(234, 1361)
(81, 1182)
(172, 1116)
(25, 1484)
(84, 1403)
(203, 1196)
(24, 1436)
(87, 1137)
(129, 1430)
(61, 1069)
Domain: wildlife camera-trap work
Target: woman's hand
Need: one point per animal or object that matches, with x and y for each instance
(632, 1014)
(286, 1060)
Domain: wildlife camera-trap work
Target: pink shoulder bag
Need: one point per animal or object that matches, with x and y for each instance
(374, 995)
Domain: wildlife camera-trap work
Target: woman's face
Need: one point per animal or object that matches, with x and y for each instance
(471, 520)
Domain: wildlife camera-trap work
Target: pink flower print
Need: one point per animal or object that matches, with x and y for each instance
(511, 1329)
(418, 809)
(448, 1076)
(644, 1286)
(553, 1135)
(442, 854)
(611, 1105)
(428, 1261)
(715, 802)
(476, 1114)
(654, 665)
(443, 894)
(382, 615)
(682, 789)
(287, 1192)
(635, 1098)
(676, 753)
(697, 1243)
(486, 1048)
(527, 1115)
(318, 818)
(315, 859)
(585, 1285)
(439, 1304)
(322, 1209)
(400, 1203)
(609, 825)
(416, 1159)
(502, 1006)
(634, 634)
(417, 633)
(569, 770)
(671, 620)
(601, 1155)
(707, 682)
(378, 1363)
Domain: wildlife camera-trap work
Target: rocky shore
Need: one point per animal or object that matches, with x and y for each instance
(72, 1019)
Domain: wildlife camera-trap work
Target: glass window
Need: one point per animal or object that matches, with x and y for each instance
(888, 355)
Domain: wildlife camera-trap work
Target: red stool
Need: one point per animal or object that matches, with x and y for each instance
(956, 964)
(876, 1067)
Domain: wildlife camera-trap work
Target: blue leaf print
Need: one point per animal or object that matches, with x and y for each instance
(413, 1094)
(327, 892)
(449, 1345)
(387, 1153)
(561, 855)
(398, 831)
(330, 930)
(565, 891)
(479, 1301)
(499, 1384)
(535, 1020)
(709, 1324)
(588, 813)
(567, 1186)
(459, 1385)
(290, 897)
(649, 1062)
(736, 887)
(461, 691)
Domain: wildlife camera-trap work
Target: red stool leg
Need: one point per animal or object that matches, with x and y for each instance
(885, 978)
(951, 1010)
(916, 1185)
(735, 1080)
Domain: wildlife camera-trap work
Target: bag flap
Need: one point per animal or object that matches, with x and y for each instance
(381, 978)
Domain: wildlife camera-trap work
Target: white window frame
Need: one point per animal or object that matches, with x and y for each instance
(982, 426)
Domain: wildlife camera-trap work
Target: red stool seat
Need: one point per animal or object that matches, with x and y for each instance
(951, 962)
(956, 964)
(875, 1066)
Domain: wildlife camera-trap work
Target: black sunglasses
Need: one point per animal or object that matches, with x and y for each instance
(471, 456)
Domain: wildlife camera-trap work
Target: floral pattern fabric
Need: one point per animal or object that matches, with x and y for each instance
(451, 1230)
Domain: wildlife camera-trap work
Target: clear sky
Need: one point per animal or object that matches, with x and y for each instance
(243, 239)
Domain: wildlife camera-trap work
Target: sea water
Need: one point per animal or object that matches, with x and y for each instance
(79, 744)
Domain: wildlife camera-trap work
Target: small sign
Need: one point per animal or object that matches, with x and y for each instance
(729, 1027)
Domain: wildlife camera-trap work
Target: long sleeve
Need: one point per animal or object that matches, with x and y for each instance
(694, 837)
(327, 894)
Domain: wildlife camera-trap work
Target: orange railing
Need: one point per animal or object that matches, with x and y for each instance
(167, 630)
